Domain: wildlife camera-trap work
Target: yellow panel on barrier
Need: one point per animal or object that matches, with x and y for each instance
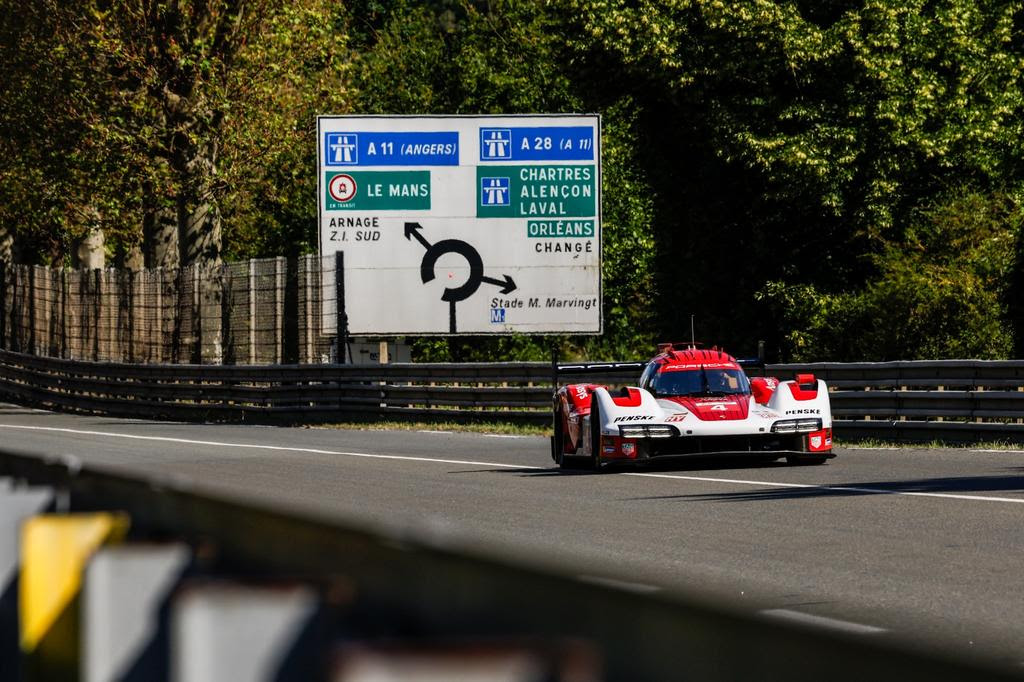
(54, 551)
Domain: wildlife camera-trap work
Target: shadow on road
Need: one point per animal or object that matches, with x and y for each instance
(949, 485)
(675, 465)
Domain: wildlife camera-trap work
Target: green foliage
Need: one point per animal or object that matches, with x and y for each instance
(297, 69)
(796, 141)
(941, 294)
(46, 152)
(869, 105)
(125, 108)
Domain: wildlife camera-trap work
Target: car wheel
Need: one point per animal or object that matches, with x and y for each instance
(595, 435)
(806, 461)
(557, 446)
(558, 442)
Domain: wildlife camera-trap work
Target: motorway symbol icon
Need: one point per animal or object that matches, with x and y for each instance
(476, 269)
(494, 191)
(495, 144)
(343, 148)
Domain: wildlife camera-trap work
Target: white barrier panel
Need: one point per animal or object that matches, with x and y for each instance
(124, 590)
(16, 505)
(239, 633)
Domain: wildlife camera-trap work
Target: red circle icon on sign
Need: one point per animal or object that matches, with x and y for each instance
(342, 187)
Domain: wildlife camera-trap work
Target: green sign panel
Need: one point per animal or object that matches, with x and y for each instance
(377, 191)
(558, 191)
(559, 229)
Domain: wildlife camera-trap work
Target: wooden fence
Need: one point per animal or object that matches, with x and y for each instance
(253, 312)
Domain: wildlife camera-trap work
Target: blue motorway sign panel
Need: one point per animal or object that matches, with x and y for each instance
(362, 148)
(537, 143)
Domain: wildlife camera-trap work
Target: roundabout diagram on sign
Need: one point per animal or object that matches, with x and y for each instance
(476, 269)
(342, 187)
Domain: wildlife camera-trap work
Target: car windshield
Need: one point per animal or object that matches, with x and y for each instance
(712, 382)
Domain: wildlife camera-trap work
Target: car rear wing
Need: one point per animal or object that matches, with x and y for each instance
(616, 371)
(600, 367)
(755, 363)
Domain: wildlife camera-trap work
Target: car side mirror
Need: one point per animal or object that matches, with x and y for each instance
(806, 380)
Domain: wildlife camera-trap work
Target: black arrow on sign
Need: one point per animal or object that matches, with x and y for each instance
(508, 285)
(413, 230)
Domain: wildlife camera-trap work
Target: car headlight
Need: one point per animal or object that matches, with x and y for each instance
(796, 425)
(647, 431)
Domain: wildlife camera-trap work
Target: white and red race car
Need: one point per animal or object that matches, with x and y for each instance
(693, 402)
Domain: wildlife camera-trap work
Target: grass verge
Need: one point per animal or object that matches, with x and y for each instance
(878, 444)
(495, 428)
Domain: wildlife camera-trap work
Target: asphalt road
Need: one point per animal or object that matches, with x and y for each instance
(920, 545)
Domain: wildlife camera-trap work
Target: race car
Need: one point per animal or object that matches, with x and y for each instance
(693, 402)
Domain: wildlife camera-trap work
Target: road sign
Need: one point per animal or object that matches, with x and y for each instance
(462, 224)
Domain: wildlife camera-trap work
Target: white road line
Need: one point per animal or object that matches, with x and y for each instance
(252, 446)
(624, 585)
(446, 433)
(822, 622)
(502, 465)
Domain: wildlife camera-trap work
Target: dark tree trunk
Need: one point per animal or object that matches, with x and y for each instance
(6, 243)
(199, 226)
(160, 237)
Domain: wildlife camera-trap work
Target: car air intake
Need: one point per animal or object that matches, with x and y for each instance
(796, 425)
(647, 431)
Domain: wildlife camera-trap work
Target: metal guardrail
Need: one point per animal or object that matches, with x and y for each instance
(908, 400)
(417, 594)
(914, 400)
(914, 374)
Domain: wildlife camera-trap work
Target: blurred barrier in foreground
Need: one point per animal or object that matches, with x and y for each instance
(208, 588)
(908, 400)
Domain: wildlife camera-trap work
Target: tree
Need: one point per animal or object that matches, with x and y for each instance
(944, 292)
(796, 140)
(52, 186)
(160, 105)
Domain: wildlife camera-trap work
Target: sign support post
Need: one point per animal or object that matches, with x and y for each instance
(341, 323)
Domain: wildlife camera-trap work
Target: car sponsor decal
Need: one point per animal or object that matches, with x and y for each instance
(699, 365)
(806, 410)
(634, 418)
(819, 440)
(678, 417)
